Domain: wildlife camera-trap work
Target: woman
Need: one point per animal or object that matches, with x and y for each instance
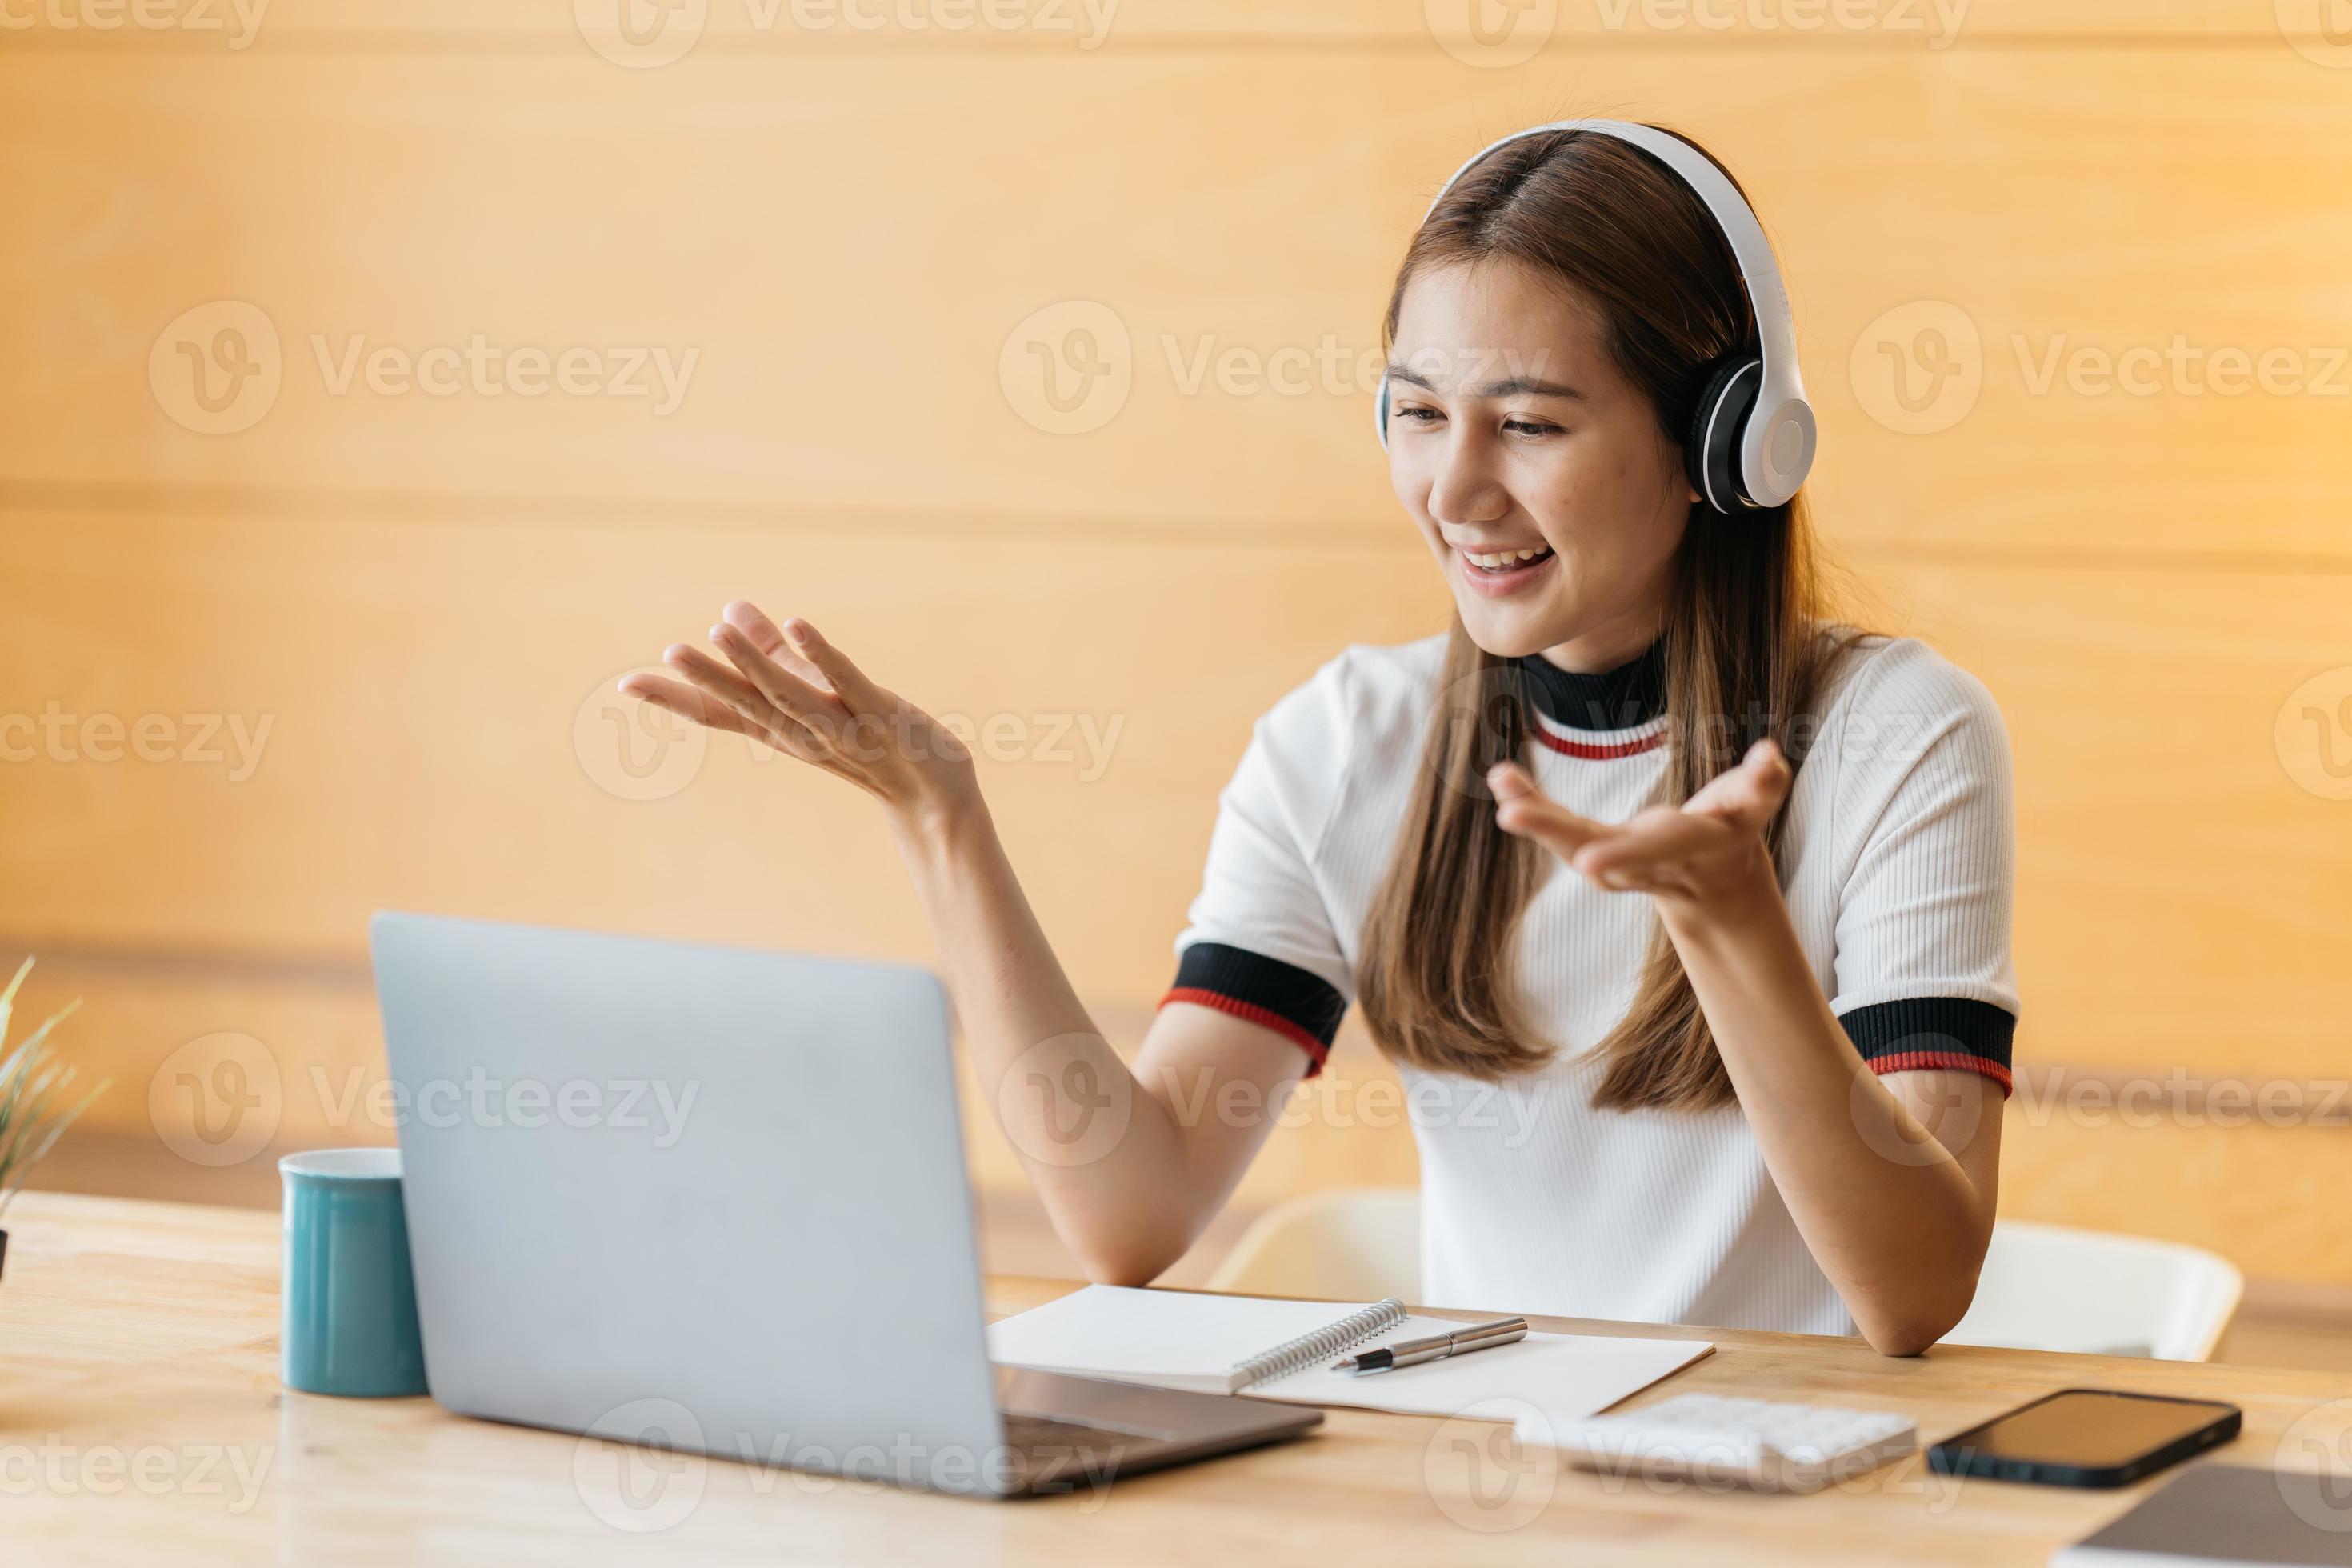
(1683, 911)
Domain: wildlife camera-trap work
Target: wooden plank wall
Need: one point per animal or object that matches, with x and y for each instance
(367, 625)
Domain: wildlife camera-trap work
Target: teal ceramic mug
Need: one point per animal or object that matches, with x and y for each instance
(347, 1315)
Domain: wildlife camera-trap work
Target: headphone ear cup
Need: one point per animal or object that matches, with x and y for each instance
(1711, 446)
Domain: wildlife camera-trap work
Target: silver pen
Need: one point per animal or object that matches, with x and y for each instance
(1436, 1347)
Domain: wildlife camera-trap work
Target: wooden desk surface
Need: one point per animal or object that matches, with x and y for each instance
(140, 1417)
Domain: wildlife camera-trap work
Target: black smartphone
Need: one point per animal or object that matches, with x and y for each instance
(2087, 1438)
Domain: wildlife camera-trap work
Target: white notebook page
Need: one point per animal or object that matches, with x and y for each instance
(1566, 1376)
(1188, 1340)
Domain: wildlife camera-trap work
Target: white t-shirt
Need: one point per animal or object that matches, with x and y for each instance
(1900, 854)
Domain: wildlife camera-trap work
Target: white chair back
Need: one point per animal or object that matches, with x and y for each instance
(1355, 1245)
(2044, 1286)
(2053, 1287)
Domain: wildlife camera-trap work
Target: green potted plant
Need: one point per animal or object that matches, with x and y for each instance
(31, 1080)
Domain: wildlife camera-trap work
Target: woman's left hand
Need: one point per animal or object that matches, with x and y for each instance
(1708, 853)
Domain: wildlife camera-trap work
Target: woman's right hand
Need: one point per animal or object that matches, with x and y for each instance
(791, 689)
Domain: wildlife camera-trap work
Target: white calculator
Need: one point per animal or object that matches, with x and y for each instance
(1704, 1438)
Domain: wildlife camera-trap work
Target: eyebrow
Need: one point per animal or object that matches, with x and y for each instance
(1516, 386)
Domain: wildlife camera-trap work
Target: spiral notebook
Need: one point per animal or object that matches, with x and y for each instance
(1284, 1350)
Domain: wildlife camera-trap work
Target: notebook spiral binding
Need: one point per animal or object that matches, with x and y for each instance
(1296, 1355)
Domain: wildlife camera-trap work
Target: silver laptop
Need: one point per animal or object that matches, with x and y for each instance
(715, 1199)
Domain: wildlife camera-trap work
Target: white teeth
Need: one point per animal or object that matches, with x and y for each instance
(1502, 558)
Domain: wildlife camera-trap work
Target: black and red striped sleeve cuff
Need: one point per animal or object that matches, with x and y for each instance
(1302, 1007)
(1934, 1032)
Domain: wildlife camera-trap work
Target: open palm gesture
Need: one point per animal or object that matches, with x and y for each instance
(1709, 847)
(790, 689)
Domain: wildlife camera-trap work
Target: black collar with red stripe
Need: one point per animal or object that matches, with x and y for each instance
(1632, 695)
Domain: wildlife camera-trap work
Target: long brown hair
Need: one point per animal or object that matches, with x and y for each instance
(1744, 650)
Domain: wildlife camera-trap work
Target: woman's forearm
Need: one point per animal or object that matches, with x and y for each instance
(1895, 1218)
(1108, 1158)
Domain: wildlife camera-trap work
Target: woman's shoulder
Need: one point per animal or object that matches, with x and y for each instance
(1364, 700)
(1879, 679)
(1896, 716)
(1346, 734)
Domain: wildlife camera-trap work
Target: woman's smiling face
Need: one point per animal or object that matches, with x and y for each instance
(1537, 471)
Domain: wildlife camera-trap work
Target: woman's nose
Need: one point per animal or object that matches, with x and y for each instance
(1465, 490)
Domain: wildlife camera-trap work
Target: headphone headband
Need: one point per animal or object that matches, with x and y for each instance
(1776, 442)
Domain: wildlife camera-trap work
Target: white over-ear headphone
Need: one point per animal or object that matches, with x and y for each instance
(1751, 438)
